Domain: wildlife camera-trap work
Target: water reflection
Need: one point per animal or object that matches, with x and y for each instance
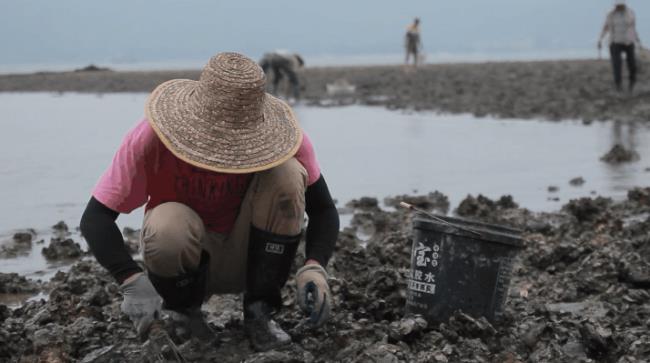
(630, 136)
(624, 134)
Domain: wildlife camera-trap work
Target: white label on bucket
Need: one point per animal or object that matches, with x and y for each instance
(421, 258)
(429, 277)
(422, 287)
(435, 256)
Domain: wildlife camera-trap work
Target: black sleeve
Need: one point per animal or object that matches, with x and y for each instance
(323, 227)
(105, 240)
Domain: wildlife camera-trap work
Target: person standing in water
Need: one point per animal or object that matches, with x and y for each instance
(620, 24)
(412, 42)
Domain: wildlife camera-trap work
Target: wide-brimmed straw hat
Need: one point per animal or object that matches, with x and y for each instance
(225, 121)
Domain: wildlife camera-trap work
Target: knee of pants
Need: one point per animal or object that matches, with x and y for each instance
(171, 239)
(279, 199)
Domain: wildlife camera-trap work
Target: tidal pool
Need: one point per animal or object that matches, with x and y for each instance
(53, 148)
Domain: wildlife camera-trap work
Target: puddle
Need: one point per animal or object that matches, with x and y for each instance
(13, 301)
(53, 148)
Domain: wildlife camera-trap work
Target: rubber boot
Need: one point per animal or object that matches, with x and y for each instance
(269, 261)
(183, 296)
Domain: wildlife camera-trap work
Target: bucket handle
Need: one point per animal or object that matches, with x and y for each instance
(433, 216)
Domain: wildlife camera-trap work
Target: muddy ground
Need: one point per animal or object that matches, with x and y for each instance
(580, 292)
(553, 90)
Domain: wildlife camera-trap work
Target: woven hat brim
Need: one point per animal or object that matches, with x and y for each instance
(221, 145)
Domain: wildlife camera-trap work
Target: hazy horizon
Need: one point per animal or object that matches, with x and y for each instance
(138, 31)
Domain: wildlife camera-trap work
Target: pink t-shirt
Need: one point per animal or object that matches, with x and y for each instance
(145, 171)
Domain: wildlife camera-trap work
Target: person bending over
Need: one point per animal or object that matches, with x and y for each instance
(280, 65)
(226, 174)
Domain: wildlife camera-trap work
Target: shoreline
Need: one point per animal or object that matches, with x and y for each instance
(550, 90)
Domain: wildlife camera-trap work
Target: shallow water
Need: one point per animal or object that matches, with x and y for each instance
(367, 151)
(54, 147)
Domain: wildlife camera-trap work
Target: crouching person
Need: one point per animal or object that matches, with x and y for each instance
(226, 175)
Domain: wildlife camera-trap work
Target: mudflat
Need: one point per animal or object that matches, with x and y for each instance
(578, 293)
(552, 90)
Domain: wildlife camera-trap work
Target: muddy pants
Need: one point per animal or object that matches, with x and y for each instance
(173, 235)
(616, 52)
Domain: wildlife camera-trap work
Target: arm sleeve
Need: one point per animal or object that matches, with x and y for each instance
(323, 227)
(105, 240)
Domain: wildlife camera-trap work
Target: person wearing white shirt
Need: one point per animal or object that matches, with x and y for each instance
(620, 24)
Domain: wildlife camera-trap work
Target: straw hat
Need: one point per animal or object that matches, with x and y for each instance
(225, 121)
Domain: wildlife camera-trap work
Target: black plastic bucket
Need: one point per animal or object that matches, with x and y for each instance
(460, 264)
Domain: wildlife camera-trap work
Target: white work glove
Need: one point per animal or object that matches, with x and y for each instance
(141, 303)
(314, 296)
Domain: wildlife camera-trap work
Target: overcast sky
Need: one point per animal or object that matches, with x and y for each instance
(82, 31)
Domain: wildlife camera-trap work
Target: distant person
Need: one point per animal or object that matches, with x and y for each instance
(412, 42)
(281, 65)
(620, 24)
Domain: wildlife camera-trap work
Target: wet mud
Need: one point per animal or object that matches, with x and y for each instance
(580, 292)
(18, 245)
(62, 249)
(553, 90)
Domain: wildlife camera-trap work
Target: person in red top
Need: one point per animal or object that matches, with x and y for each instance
(226, 175)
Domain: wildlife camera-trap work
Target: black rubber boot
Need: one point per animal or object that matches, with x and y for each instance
(269, 261)
(262, 331)
(183, 296)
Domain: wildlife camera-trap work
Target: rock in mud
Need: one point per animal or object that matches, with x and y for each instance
(60, 230)
(407, 329)
(639, 195)
(20, 244)
(364, 203)
(635, 272)
(24, 237)
(597, 340)
(619, 154)
(62, 249)
(577, 181)
(60, 226)
(588, 209)
(467, 326)
(12, 283)
(484, 207)
(435, 201)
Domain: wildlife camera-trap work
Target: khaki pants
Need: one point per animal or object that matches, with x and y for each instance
(173, 235)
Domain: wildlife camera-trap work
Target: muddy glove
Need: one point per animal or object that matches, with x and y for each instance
(314, 295)
(141, 302)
